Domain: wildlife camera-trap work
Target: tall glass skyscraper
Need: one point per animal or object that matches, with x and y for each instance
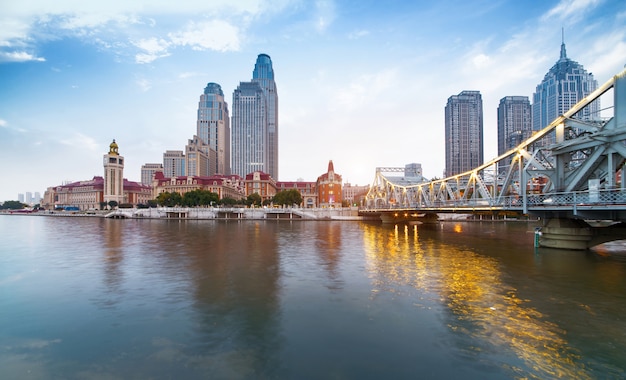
(255, 122)
(464, 132)
(514, 124)
(213, 126)
(565, 84)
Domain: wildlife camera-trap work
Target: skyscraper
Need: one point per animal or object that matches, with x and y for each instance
(464, 132)
(213, 126)
(566, 83)
(255, 122)
(514, 124)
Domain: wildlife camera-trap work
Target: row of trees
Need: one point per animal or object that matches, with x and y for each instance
(13, 205)
(200, 197)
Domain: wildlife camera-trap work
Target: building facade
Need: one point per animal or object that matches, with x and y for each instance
(329, 188)
(147, 172)
(254, 123)
(260, 183)
(514, 125)
(263, 74)
(463, 132)
(113, 175)
(213, 125)
(307, 191)
(231, 186)
(564, 85)
(174, 164)
(200, 158)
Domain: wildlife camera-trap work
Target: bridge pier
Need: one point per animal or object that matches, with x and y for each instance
(565, 233)
(576, 234)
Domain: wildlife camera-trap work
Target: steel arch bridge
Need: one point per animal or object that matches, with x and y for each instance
(570, 169)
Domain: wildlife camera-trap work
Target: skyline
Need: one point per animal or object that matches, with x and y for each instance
(363, 84)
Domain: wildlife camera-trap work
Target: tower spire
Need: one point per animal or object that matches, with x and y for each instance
(563, 53)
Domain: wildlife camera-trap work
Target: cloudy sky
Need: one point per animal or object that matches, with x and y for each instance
(363, 83)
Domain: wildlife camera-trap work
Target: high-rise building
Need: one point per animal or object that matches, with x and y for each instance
(514, 125)
(254, 122)
(147, 173)
(565, 84)
(213, 125)
(263, 74)
(201, 159)
(464, 132)
(174, 163)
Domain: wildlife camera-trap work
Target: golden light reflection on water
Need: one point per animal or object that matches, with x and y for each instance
(481, 305)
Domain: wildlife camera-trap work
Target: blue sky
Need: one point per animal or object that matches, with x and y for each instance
(363, 83)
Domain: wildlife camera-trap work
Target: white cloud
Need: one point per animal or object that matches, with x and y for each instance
(357, 34)
(3, 123)
(570, 10)
(82, 142)
(324, 14)
(19, 56)
(216, 35)
(144, 84)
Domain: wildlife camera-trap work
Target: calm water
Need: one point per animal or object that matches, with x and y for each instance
(88, 298)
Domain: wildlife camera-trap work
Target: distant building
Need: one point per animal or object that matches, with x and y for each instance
(231, 186)
(174, 163)
(254, 122)
(213, 125)
(147, 172)
(329, 188)
(564, 85)
(354, 195)
(514, 125)
(260, 183)
(463, 132)
(200, 158)
(93, 193)
(307, 191)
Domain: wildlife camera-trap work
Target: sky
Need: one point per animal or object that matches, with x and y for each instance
(362, 83)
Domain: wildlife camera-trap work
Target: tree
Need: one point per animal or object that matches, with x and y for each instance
(288, 197)
(199, 197)
(254, 199)
(103, 205)
(228, 201)
(152, 203)
(112, 204)
(168, 199)
(13, 205)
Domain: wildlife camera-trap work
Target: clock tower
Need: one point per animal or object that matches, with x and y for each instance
(113, 175)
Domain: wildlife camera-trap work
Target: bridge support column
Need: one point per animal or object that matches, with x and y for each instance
(564, 233)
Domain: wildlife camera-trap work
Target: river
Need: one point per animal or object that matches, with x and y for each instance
(93, 298)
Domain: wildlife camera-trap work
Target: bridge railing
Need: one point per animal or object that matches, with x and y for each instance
(516, 202)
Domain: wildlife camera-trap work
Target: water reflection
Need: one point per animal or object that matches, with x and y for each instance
(485, 313)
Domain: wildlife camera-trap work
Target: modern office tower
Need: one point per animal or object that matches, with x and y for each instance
(173, 163)
(514, 125)
(20, 198)
(254, 122)
(249, 130)
(113, 175)
(565, 84)
(37, 197)
(147, 172)
(200, 158)
(464, 132)
(263, 74)
(213, 125)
